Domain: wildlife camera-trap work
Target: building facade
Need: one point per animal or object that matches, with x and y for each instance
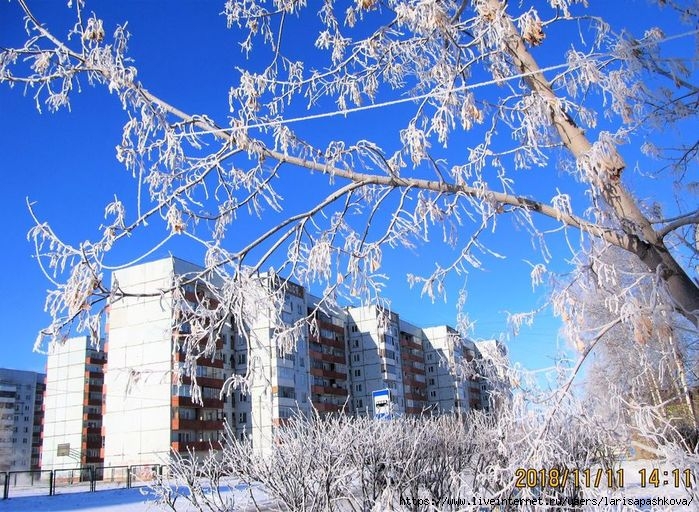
(330, 362)
(21, 419)
(73, 405)
(149, 410)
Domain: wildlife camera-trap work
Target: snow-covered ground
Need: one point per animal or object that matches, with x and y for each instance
(632, 497)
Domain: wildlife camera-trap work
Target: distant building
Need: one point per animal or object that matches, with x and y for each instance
(21, 417)
(375, 358)
(448, 388)
(73, 405)
(492, 359)
(327, 349)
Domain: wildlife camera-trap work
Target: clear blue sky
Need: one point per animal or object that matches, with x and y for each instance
(65, 163)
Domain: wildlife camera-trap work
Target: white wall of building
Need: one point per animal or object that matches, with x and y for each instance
(63, 403)
(138, 387)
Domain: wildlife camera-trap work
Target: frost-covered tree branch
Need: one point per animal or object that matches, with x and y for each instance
(485, 132)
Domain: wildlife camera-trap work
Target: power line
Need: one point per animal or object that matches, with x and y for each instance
(399, 101)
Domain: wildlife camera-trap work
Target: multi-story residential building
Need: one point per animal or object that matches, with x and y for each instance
(73, 405)
(412, 358)
(328, 356)
(281, 379)
(448, 389)
(493, 357)
(148, 410)
(21, 418)
(330, 361)
(375, 357)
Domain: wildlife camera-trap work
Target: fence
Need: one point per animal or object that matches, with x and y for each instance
(82, 479)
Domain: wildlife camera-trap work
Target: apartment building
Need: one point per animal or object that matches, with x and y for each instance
(73, 405)
(331, 361)
(149, 410)
(330, 379)
(412, 358)
(281, 385)
(21, 418)
(375, 357)
(448, 389)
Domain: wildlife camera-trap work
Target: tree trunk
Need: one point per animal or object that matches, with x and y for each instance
(606, 180)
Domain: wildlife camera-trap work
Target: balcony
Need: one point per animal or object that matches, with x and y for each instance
(330, 358)
(186, 401)
(196, 425)
(202, 361)
(198, 446)
(327, 390)
(326, 407)
(209, 382)
(320, 372)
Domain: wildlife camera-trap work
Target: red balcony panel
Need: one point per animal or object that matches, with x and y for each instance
(199, 446)
(209, 382)
(197, 425)
(185, 401)
(320, 390)
(326, 407)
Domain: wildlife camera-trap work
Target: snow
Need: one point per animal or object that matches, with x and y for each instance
(138, 499)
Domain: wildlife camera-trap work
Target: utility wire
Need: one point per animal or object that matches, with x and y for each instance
(399, 101)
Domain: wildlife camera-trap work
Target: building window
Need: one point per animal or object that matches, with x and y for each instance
(357, 373)
(433, 394)
(430, 369)
(354, 328)
(357, 387)
(356, 358)
(360, 404)
(243, 417)
(431, 382)
(243, 397)
(242, 358)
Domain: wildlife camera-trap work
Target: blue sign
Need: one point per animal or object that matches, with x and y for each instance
(382, 404)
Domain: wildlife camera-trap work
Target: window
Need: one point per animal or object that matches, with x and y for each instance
(430, 369)
(433, 394)
(243, 397)
(354, 328)
(360, 404)
(243, 417)
(356, 358)
(357, 373)
(356, 343)
(431, 382)
(357, 387)
(242, 358)
(286, 392)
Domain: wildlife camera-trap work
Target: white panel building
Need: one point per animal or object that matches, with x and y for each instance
(375, 357)
(21, 396)
(73, 405)
(281, 384)
(146, 414)
(447, 389)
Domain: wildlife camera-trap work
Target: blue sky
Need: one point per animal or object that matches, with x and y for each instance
(65, 164)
